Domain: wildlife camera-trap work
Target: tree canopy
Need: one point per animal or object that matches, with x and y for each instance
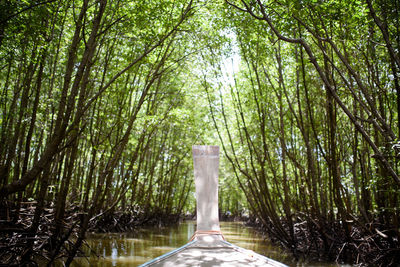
(102, 100)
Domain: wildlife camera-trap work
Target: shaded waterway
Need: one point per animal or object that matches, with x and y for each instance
(133, 249)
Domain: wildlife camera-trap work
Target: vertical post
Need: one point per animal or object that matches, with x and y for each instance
(206, 164)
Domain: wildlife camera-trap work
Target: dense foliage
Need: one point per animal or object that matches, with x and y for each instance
(311, 126)
(101, 101)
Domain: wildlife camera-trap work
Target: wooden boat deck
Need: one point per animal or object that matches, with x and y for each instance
(212, 250)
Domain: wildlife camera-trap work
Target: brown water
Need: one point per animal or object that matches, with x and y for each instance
(133, 249)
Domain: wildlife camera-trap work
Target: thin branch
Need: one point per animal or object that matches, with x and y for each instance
(26, 9)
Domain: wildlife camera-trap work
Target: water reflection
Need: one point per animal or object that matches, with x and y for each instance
(132, 249)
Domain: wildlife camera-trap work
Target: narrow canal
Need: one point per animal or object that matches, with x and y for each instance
(133, 249)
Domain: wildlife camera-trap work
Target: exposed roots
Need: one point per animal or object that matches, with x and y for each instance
(319, 240)
(19, 246)
(119, 221)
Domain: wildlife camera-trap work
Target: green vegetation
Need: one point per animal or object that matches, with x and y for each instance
(101, 101)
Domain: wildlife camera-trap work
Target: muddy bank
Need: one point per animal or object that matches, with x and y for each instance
(120, 221)
(371, 245)
(20, 246)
